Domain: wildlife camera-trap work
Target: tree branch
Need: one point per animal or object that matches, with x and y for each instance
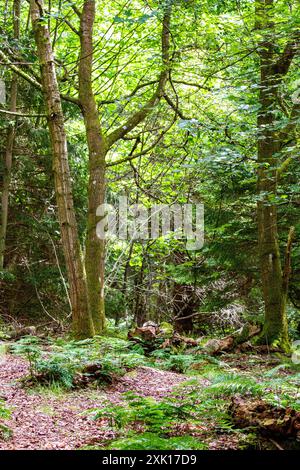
(196, 85)
(19, 71)
(133, 156)
(15, 113)
(32, 80)
(175, 108)
(281, 67)
(140, 115)
(287, 131)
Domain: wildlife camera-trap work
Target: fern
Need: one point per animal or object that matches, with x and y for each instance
(232, 384)
(178, 363)
(151, 441)
(64, 360)
(274, 371)
(56, 371)
(5, 431)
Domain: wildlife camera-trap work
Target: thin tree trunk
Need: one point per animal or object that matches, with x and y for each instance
(8, 155)
(82, 323)
(125, 281)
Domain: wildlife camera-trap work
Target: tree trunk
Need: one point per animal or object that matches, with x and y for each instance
(275, 331)
(82, 323)
(99, 145)
(95, 247)
(8, 155)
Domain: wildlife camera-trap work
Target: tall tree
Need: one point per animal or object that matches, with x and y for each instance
(99, 145)
(82, 322)
(273, 69)
(8, 154)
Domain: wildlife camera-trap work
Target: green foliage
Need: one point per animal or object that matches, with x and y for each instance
(59, 369)
(28, 347)
(157, 420)
(6, 276)
(151, 441)
(156, 416)
(283, 390)
(294, 322)
(4, 411)
(185, 363)
(233, 384)
(179, 363)
(5, 431)
(63, 359)
(174, 362)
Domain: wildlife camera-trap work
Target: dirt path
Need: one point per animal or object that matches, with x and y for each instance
(56, 421)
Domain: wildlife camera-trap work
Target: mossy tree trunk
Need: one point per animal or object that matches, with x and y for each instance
(269, 144)
(99, 145)
(82, 323)
(95, 247)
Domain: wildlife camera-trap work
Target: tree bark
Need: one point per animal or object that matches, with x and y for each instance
(8, 155)
(95, 247)
(275, 331)
(82, 323)
(99, 145)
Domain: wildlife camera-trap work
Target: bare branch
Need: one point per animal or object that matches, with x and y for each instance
(15, 113)
(281, 67)
(196, 85)
(76, 10)
(132, 156)
(68, 23)
(175, 107)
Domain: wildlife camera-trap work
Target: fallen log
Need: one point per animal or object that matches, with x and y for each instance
(146, 333)
(230, 342)
(178, 340)
(152, 336)
(21, 331)
(90, 373)
(268, 419)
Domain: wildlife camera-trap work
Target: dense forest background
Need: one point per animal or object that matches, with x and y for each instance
(165, 102)
(136, 342)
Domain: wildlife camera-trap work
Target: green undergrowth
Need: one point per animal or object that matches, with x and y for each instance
(183, 361)
(59, 361)
(5, 431)
(197, 413)
(145, 423)
(149, 441)
(192, 417)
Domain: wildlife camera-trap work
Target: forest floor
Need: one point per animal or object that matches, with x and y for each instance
(47, 420)
(50, 417)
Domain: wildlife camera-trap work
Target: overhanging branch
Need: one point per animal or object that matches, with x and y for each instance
(140, 115)
(32, 80)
